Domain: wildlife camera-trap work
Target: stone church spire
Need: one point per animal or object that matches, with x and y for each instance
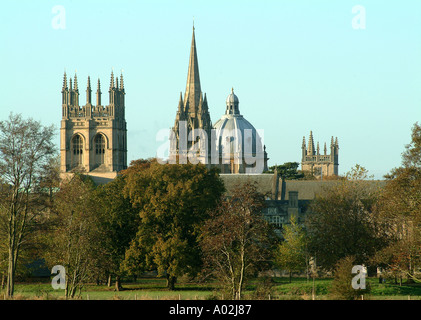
(192, 114)
(193, 89)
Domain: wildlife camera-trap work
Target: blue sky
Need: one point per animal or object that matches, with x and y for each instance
(295, 65)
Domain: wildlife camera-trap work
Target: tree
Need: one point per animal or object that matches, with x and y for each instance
(287, 171)
(291, 254)
(400, 208)
(236, 240)
(342, 223)
(341, 288)
(117, 226)
(412, 155)
(75, 233)
(26, 147)
(173, 201)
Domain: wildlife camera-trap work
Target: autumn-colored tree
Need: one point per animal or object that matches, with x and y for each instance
(236, 240)
(74, 235)
(173, 201)
(292, 254)
(412, 154)
(26, 147)
(400, 208)
(341, 222)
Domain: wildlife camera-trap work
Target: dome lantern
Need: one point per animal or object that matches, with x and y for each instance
(232, 103)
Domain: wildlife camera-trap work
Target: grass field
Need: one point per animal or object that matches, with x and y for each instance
(276, 289)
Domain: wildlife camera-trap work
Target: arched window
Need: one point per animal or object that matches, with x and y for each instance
(99, 149)
(77, 151)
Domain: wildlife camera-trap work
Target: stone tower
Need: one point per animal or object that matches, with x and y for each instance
(192, 120)
(93, 138)
(321, 165)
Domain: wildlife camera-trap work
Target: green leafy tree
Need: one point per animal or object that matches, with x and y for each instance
(287, 171)
(117, 226)
(173, 201)
(291, 254)
(341, 287)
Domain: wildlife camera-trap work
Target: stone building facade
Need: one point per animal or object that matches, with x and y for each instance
(320, 165)
(93, 138)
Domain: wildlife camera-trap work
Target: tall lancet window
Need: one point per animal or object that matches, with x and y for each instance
(99, 149)
(77, 151)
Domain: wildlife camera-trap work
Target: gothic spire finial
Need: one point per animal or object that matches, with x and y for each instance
(112, 79)
(121, 80)
(64, 80)
(310, 144)
(193, 89)
(75, 81)
(98, 94)
(88, 91)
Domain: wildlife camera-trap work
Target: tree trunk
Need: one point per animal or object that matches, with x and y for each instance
(109, 281)
(118, 286)
(10, 285)
(171, 282)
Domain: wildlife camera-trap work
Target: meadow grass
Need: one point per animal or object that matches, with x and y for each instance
(259, 288)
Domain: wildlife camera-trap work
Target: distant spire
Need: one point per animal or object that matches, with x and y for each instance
(193, 89)
(70, 84)
(88, 91)
(331, 142)
(180, 102)
(64, 81)
(98, 94)
(310, 150)
(325, 149)
(336, 142)
(116, 82)
(76, 88)
(121, 81)
(304, 142)
(112, 80)
(318, 148)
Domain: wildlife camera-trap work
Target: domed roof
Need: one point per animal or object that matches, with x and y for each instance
(235, 134)
(232, 98)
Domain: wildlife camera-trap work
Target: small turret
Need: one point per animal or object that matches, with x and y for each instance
(121, 82)
(89, 92)
(112, 80)
(64, 90)
(98, 94)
